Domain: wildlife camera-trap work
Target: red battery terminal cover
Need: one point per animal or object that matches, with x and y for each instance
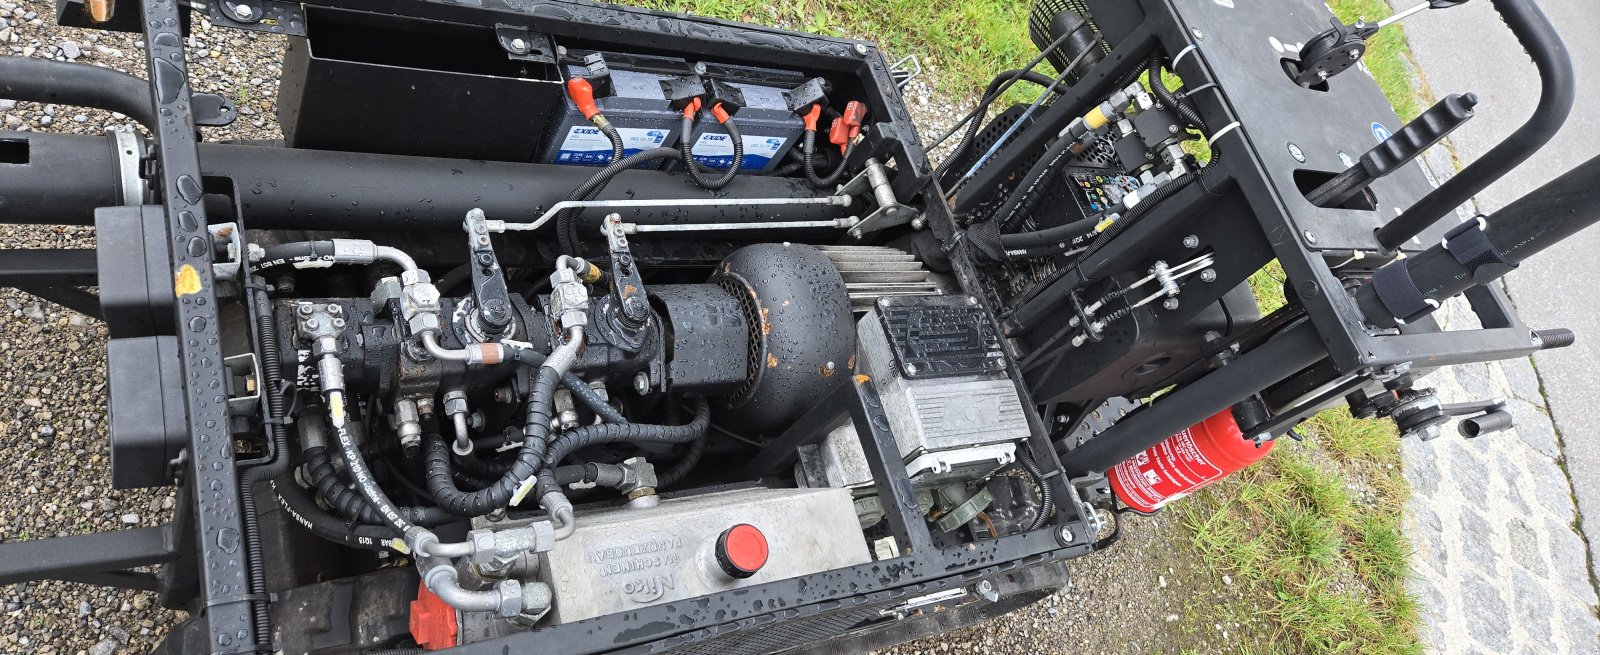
(582, 94)
(848, 125)
(811, 116)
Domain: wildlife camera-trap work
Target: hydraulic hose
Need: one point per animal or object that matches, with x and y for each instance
(686, 145)
(332, 251)
(680, 469)
(536, 431)
(1049, 236)
(590, 435)
(294, 500)
(566, 228)
(58, 82)
(351, 505)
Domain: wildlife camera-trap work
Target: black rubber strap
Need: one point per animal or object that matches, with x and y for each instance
(1399, 293)
(1472, 250)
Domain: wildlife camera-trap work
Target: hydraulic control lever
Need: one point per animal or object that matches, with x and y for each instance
(490, 296)
(1340, 47)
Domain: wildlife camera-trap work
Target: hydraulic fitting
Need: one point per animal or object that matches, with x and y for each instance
(569, 298)
(639, 482)
(455, 406)
(408, 423)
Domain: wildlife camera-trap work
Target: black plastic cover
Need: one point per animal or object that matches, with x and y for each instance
(135, 284)
(148, 429)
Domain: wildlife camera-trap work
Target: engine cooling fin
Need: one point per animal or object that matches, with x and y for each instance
(873, 272)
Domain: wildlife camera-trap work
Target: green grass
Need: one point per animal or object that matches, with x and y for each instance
(966, 42)
(1387, 55)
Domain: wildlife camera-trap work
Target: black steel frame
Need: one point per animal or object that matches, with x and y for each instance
(214, 568)
(220, 598)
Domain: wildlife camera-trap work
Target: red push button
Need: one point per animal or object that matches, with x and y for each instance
(742, 550)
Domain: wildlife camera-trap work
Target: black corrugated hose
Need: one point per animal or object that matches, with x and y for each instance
(590, 435)
(536, 432)
(294, 500)
(1047, 496)
(353, 506)
(566, 227)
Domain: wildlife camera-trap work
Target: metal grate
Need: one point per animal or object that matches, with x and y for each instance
(1039, 28)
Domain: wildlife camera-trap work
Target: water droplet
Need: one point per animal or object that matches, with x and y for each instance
(169, 80)
(187, 220)
(197, 247)
(189, 188)
(197, 323)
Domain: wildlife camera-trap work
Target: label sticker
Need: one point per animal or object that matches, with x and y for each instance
(716, 151)
(586, 146)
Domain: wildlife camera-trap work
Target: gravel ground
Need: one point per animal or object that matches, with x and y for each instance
(1145, 595)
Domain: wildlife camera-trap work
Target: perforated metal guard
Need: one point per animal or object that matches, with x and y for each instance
(1039, 28)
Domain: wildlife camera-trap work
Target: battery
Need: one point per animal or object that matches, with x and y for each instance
(638, 109)
(769, 128)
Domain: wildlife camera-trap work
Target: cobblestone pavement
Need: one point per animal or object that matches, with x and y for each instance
(1499, 566)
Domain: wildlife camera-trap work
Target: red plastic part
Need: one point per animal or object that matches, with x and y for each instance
(743, 550)
(582, 94)
(848, 125)
(811, 116)
(433, 622)
(1185, 462)
(692, 108)
(720, 113)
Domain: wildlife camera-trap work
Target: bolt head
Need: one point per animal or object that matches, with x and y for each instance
(519, 45)
(1208, 275)
(861, 49)
(641, 383)
(243, 12)
(1197, 33)
(1064, 535)
(1170, 304)
(1310, 238)
(1355, 54)
(312, 324)
(1298, 154)
(305, 310)
(1191, 241)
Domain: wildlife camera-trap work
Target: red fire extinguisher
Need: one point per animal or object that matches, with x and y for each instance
(1184, 463)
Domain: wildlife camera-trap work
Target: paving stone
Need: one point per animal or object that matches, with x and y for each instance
(1478, 539)
(1486, 613)
(1569, 556)
(1469, 468)
(1555, 498)
(1583, 631)
(1421, 467)
(1523, 379)
(1518, 487)
(1525, 546)
(1534, 611)
(1428, 534)
(1476, 381)
(1533, 427)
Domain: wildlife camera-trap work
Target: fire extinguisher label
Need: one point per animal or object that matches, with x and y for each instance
(1164, 473)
